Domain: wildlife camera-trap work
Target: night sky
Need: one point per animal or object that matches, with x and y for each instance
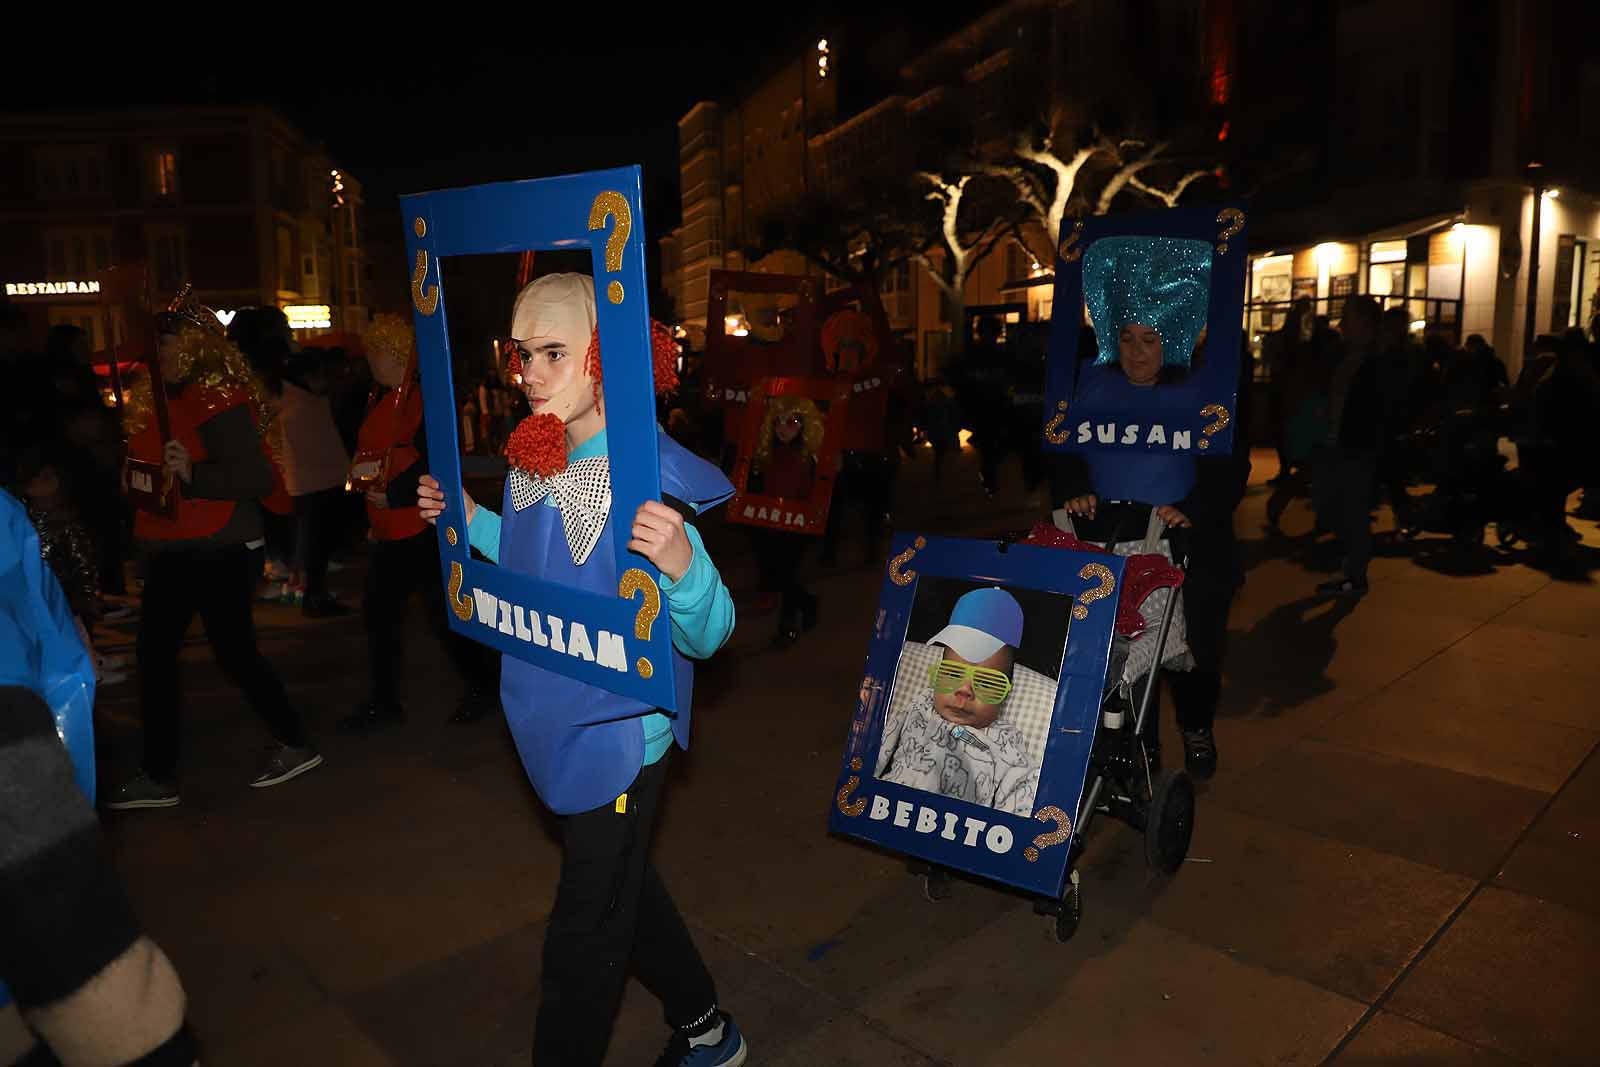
(508, 96)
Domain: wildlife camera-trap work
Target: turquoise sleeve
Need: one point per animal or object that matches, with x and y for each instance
(483, 533)
(701, 606)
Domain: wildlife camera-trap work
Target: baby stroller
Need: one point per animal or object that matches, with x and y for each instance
(1125, 779)
(1473, 486)
(1125, 776)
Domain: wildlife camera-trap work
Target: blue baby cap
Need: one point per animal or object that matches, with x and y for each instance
(1160, 282)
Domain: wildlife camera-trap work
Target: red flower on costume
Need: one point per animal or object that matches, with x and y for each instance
(539, 445)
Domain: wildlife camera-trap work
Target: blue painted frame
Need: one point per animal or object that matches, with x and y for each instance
(858, 808)
(1189, 407)
(603, 212)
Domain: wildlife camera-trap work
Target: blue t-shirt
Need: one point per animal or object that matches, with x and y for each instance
(1155, 477)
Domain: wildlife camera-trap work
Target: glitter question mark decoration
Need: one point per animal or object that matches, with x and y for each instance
(1070, 252)
(1220, 419)
(1232, 220)
(461, 605)
(897, 574)
(1094, 572)
(1052, 429)
(636, 581)
(426, 303)
(1062, 831)
(613, 204)
(847, 807)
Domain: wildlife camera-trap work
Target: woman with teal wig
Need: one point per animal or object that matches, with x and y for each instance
(1148, 299)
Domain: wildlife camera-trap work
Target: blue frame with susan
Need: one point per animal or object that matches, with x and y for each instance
(1030, 853)
(601, 211)
(1193, 415)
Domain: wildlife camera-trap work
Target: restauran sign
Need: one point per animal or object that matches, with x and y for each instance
(52, 288)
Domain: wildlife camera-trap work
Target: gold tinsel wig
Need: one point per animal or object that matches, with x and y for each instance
(391, 339)
(207, 360)
(780, 408)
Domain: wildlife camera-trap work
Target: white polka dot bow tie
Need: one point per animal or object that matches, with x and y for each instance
(582, 492)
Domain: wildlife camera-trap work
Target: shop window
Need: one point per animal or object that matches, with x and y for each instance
(164, 173)
(168, 260)
(76, 253)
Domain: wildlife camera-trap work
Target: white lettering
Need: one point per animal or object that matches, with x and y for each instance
(555, 626)
(1180, 440)
(902, 813)
(998, 839)
(611, 653)
(1084, 433)
(949, 831)
(486, 606)
(1130, 434)
(1158, 436)
(578, 643)
(505, 619)
(520, 620)
(1106, 433)
(141, 481)
(880, 809)
(927, 820)
(974, 828)
(749, 511)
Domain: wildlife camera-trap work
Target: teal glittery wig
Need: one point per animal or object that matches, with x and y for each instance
(1160, 282)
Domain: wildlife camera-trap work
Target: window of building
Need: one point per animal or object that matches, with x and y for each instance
(69, 170)
(169, 261)
(287, 279)
(166, 173)
(77, 252)
(1386, 271)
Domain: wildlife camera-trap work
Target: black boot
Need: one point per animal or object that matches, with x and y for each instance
(372, 715)
(474, 705)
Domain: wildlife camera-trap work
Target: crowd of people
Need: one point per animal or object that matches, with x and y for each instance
(1368, 410)
(262, 458)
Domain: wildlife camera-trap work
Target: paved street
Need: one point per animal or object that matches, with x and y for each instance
(1397, 862)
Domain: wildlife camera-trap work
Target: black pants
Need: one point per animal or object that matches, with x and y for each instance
(778, 559)
(316, 531)
(1208, 590)
(865, 479)
(1343, 495)
(611, 913)
(400, 568)
(219, 583)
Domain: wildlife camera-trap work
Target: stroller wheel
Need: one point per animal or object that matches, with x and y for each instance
(1070, 911)
(1170, 822)
(1505, 534)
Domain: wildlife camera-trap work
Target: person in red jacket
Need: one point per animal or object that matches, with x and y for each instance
(391, 455)
(204, 552)
(785, 466)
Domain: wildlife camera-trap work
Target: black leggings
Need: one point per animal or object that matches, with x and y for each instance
(399, 569)
(218, 583)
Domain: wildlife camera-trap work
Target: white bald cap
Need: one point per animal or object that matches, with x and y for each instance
(557, 305)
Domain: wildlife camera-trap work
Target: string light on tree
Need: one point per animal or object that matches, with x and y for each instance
(822, 58)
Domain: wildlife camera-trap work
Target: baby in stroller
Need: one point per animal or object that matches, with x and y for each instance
(950, 738)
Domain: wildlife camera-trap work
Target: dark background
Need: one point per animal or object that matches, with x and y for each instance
(1046, 618)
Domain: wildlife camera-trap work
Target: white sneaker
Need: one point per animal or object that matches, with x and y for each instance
(284, 763)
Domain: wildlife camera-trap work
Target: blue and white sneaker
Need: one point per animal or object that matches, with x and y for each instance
(731, 1051)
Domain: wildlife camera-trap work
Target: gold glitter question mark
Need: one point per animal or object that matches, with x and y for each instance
(1070, 253)
(1232, 220)
(904, 577)
(1062, 831)
(1221, 417)
(635, 581)
(1108, 583)
(1052, 429)
(614, 204)
(461, 605)
(424, 302)
(848, 807)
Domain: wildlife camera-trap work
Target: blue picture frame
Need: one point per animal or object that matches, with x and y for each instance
(1194, 416)
(983, 841)
(629, 633)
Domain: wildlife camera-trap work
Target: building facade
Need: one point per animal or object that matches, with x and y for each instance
(235, 201)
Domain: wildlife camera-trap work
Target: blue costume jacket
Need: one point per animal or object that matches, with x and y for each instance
(582, 746)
